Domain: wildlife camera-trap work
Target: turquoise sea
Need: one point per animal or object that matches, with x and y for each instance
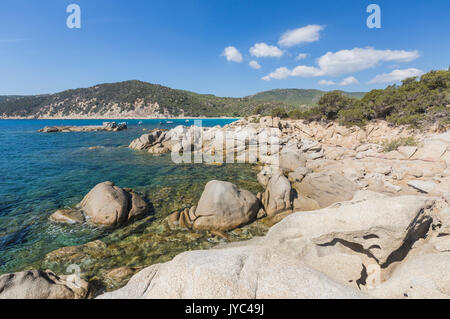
(42, 172)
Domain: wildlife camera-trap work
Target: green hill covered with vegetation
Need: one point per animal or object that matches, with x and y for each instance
(297, 97)
(127, 97)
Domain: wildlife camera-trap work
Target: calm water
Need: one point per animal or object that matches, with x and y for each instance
(43, 172)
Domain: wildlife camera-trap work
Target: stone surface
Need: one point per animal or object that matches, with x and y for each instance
(326, 188)
(34, 284)
(423, 186)
(67, 216)
(278, 195)
(224, 206)
(109, 205)
(240, 272)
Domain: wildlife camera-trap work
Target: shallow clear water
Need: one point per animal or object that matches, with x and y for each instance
(42, 172)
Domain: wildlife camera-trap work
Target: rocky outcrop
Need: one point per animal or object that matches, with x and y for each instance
(353, 249)
(107, 126)
(326, 188)
(106, 205)
(278, 195)
(223, 206)
(36, 284)
(242, 272)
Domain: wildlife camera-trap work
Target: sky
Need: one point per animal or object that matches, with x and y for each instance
(222, 47)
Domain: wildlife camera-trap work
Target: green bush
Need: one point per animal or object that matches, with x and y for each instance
(393, 145)
(279, 112)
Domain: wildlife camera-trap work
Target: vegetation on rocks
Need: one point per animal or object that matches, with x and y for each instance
(394, 144)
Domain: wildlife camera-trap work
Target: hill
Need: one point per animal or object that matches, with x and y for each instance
(128, 99)
(297, 97)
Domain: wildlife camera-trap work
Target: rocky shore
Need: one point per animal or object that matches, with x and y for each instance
(354, 213)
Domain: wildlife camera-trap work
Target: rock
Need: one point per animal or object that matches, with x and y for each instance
(365, 195)
(223, 206)
(290, 161)
(422, 186)
(110, 205)
(327, 253)
(418, 277)
(37, 284)
(407, 151)
(326, 188)
(302, 203)
(278, 195)
(240, 272)
(298, 175)
(118, 275)
(67, 216)
(392, 187)
(146, 140)
(382, 228)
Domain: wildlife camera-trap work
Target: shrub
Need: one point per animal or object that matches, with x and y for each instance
(279, 112)
(394, 144)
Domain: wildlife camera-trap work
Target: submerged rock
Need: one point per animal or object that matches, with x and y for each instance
(67, 216)
(37, 284)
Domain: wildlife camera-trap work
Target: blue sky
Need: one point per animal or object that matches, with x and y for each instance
(180, 44)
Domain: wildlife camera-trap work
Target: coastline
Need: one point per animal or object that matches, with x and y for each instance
(335, 171)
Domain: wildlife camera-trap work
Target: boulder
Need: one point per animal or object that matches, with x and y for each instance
(231, 273)
(146, 140)
(278, 195)
(223, 206)
(290, 161)
(37, 284)
(383, 228)
(326, 188)
(105, 205)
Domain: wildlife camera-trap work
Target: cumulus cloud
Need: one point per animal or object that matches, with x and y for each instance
(326, 82)
(348, 81)
(254, 65)
(351, 61)
(279, 74)
(301, 56)
(232, 54)
(310, 33)
(358, 59)
(262, 49)
(396, 75)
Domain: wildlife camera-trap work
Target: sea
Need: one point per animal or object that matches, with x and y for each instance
(43, 172)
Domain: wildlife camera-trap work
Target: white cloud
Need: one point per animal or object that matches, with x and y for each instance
(232, 54)
(326, 82)
(279, 74)
(358, 59)
(306, 71)
(301, 56)
(396, 75)
(348, 81)
(310, 33)
(255, 65)
(262, 49)
(351, 61)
